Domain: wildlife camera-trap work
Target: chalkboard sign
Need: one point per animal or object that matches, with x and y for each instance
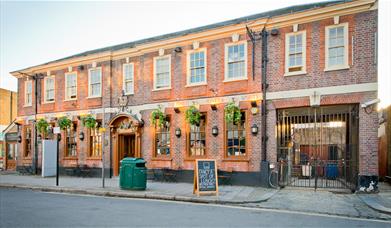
(205, 177)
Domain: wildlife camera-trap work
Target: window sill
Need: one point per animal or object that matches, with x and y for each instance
(29, 105)
(344, 67)
(194, 85)
(235, 79)
(161, 89)
(94, 158)
(48, 102)
(27, 158)
(94, 97)
(70, 158)
(129, 94)
(232, 159)
(194, 158)
(73, 99)
(287, 74)
(161, 158)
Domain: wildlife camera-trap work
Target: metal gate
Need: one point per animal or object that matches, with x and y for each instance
(317, 147)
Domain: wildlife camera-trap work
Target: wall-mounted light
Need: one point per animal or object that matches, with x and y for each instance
(19, 139)
(178, 132)
(254, 129)
(176, 109)
(39, 137)
(213, 107)
(81, 136)
(59, 137)
(253, 104)
(215, 130)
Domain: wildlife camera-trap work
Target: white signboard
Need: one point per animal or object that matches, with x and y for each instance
(56, 130)
(49, 158)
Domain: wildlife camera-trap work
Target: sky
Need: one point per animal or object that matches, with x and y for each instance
(35, 32)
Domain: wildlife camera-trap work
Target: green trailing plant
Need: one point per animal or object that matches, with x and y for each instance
(64, 123)
(42, 126)
(193, 115)
(232, 113)
(157, 116)
(89, 121)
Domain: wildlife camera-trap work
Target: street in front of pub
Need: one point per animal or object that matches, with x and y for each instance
(79, 198)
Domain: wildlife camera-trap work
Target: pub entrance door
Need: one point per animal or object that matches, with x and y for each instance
(126, 147)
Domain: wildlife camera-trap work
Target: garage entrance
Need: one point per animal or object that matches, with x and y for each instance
(317, 147)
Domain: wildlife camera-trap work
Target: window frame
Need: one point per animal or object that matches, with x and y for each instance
(26, 103)
(188, 68)
(154, 72)
(25, 145)
(89, 82)
(45, 89)
(246, 131)
(188, 138)
(304, 53)
(155, 147)
(124, 79)
(226, 46)
(66, 146)
(67, 97)
(90, 146)
(345, 65)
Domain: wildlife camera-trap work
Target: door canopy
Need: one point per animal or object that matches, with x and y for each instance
(126, 121)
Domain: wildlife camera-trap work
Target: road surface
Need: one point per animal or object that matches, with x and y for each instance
(26, 208)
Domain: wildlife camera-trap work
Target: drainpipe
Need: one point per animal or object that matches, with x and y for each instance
(264, 163)
(35, 162)
(111, 105)
(264, 35)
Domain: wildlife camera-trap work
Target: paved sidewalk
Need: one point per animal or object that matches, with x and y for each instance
(155, 190)
(292, 199)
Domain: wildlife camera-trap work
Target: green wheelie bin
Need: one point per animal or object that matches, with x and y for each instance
(133, 174)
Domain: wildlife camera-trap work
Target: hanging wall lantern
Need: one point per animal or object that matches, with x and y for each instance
(215, 131)
(19, 139)
(178, 132)
(254, 129)
(81, 136)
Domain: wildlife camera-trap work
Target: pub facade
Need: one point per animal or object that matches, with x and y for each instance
(282, 88)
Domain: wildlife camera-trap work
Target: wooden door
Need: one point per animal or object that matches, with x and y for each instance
(11, 156)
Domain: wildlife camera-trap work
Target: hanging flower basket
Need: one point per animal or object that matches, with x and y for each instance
(42, 126)
(89, 121)
(64, 123)
(193, 116)
(232, 113)
(157, 116)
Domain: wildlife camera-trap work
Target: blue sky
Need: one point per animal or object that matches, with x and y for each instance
(32, 32)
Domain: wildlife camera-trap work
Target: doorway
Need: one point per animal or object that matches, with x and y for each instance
(126, 148)
(317, 147)
(11, 156)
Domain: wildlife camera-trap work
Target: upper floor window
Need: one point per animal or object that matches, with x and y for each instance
(95, 82)
(128, 78)
(49, 89)
(337, 47)
(196, 138)
(162, 72)
(162, 139)
(70, 141)
(70, 86)
(236, 137)
(235, 61)
(295, 53)
(28, 93)
(196, 72)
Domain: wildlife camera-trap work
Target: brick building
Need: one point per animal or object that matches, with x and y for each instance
(8, 104)
(317, 63)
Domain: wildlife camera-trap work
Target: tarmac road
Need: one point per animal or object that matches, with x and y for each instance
(26, 208)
